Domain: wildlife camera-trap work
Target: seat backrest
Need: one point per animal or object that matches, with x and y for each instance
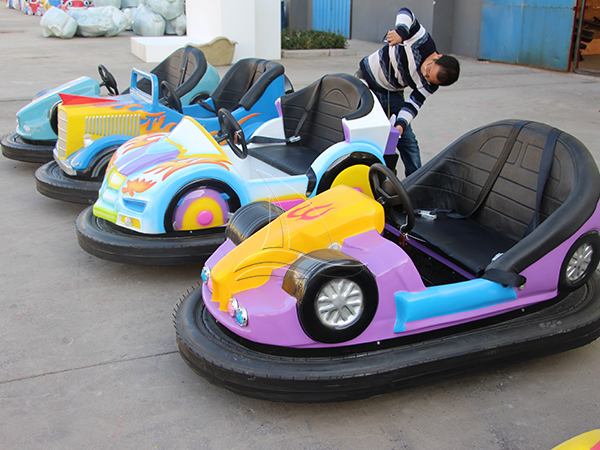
(244, 83)
(183, 69)
(330, 99)
(454, 178)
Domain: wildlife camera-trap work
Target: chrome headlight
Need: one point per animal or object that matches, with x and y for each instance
(238, 312)
(206, 279)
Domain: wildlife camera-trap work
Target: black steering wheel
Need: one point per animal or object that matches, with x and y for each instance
(233, 133)
(108, 80)
(170, 97)
(389, 191)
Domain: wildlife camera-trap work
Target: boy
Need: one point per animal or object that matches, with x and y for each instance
(409, 60)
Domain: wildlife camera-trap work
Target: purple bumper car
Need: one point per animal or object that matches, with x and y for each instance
(485, 256)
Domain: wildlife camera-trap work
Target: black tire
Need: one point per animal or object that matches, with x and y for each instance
(249, 219)
(278, 374)
(580, 262)
(326, 277)
(19, 149)
(52, 182)
(111, 242)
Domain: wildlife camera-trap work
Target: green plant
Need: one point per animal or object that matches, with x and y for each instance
(311, 39)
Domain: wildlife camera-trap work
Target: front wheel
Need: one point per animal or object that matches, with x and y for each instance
(250, 218)
(338, 296)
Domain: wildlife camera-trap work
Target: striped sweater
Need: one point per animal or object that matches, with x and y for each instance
(398, 67)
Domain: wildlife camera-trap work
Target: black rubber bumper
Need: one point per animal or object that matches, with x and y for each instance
(52, 182)
(109, 241)
(19, 149)
(277, 374)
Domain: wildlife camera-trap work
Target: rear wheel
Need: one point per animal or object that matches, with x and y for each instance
(200, 206)
(580, 262)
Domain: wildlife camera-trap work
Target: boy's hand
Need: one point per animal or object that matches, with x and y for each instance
(393, 38)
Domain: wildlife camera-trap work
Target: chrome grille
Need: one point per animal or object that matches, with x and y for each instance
(127, 124)
(62, 134)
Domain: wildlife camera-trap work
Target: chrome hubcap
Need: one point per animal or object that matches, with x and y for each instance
(339, 303)
(579, 263)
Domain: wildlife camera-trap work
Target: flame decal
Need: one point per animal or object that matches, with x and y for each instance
(156, 122)
(132, 144)
(249, 116)
(141, 141)
(173, 166)
(308, 209)
(240, 122)
(138, 186)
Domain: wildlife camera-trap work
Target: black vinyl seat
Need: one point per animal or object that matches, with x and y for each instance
(328, 100)
(183, 70)
(244, 83)
(453, 180)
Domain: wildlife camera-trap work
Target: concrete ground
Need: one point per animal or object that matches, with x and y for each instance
(87, 347)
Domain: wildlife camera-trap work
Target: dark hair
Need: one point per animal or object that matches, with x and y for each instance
(449, 70)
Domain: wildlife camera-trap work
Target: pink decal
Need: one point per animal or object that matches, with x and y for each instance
(311, 213)
(288, 204)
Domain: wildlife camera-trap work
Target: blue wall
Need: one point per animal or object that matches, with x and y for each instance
(528, 32)
(332, 15)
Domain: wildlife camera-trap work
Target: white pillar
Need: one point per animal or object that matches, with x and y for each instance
(254, 24)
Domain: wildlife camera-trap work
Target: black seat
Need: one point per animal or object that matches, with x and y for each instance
(244, 83)
(183, 70)
(329, 99)
(453, 180)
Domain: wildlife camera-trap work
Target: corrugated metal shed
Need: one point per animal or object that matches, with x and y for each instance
(530, 32)
(332, 15)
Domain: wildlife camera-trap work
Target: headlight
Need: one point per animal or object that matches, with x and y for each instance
(238, 312)
(129, 222)
(116, 180)
(206, 279)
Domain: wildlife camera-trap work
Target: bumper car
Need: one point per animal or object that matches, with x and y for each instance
(91, 129)
(37, 123)
(585, 441)
(166, 199)
(483, 257)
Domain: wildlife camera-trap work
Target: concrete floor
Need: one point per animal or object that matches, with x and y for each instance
(87, 347)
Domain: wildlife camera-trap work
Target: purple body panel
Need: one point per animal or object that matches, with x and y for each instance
(272, 312)
(390, 146)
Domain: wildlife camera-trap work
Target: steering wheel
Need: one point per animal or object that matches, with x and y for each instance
(389, 191)
(108, 80)
(170, 97)
(233, 133)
